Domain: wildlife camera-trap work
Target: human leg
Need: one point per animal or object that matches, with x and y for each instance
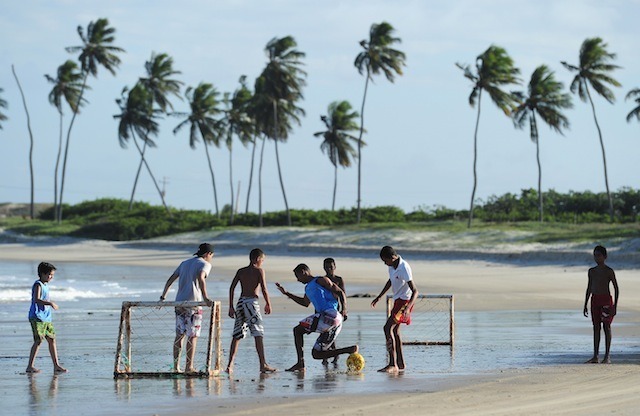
(607, 342)
(32, 356)
(264, 367)
(391, 346)
(398, 344)
(233, 349)
(319, 354)
(177, 349)
(596, 344)
(191, 352)
(298, 332)
(53, 351)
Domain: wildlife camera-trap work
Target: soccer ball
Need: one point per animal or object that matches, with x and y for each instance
(355, 362)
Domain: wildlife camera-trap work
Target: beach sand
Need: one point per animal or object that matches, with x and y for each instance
(548, 383)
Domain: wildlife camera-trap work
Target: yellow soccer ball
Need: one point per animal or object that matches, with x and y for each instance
(355, 362)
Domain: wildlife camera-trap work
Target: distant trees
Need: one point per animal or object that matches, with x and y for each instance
(546, 99)
(96, 51)
(494, 70)
(378, 56)
(594, 69)
(339, 123)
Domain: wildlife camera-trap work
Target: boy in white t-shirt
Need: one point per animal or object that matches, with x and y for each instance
(404, 295)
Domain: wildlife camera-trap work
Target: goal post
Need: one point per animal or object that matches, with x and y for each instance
(432, 321)
(146, 336)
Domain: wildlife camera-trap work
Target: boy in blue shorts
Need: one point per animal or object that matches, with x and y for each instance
(40, 318)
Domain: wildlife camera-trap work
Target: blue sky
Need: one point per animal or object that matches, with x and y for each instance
(420, 129)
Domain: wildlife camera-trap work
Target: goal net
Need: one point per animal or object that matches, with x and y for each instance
(432, 321)
(146, 337)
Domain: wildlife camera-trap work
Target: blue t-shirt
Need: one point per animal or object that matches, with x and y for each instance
(40, 313)
(321, 297)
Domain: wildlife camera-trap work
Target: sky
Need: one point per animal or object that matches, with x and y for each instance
(420, 128)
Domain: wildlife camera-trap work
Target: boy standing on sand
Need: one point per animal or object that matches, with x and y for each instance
(404, 295)
(329, 266)
(247, 311)
(322, 292)
(40, 318)
(192, 287)
(603, 308)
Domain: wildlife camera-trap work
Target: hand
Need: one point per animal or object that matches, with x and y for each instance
(162, 298)
(232, 312)
(344, 315)
(374, 302)
(267, 308)
(613, 310)
(54, 306)
(281, 289)
(208, 301)
(586, 312)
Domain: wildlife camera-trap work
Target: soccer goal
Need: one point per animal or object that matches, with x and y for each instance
(432, 321)
(146, 336)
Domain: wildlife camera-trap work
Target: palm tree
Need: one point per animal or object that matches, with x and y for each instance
(277, 90)
(237, 122)
(138, 117)
(158, 83)
(3, 104)
(67, 84)
(95, 51)
(635, 95)
(204, 102)
(494, 69)
(339, 121)
(378, 56)
(546, 99)
(26, 110)
(594, 69)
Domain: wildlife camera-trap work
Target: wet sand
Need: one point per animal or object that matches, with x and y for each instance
(521, 341)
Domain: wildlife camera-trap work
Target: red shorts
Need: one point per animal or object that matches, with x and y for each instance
(397, 312)
(601, 306)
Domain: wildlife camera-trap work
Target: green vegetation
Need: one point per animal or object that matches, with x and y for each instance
(576, 216)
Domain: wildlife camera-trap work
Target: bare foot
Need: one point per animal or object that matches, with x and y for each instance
(268, 369)
(606, 360)
(59, 369)
(593, 360)
(229, 369)
(389, 369)
(325, 362)
(297, 367)
(190, 370)
(352, 349)
(32, 370)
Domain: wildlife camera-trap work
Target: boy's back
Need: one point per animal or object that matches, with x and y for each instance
(250, 278)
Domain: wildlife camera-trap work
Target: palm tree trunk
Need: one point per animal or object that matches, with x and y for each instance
(260, 223)
(213, 179)
(275, 139)
(66, 147)
(604, 157)
(540, 201)
(231, 184)
(475, 162)
(153, 178)
(135, 181)
(335, 186)
(253, 154)
(364, 98)
(55, 173)
(26, 110)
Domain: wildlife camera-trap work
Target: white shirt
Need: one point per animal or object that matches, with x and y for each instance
(400, 278)
(189, 271)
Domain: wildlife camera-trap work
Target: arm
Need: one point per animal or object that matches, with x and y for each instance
(616, 292)
(170, 281)
(412, 300)
(587, 294)
(337, 291)
(203, 286)
(232, 289)
(303, 301)
(265, 292)
(384, 290)
(37, 292)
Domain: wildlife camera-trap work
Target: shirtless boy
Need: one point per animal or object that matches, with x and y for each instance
(247, 311)
(329, 266)
(603, 308)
